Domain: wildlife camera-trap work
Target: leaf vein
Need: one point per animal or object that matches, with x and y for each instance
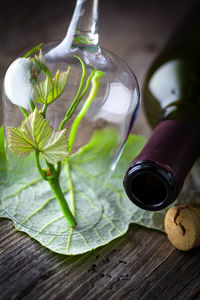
(93, 228)
(23, 188)
(114, 226)
(47, 225)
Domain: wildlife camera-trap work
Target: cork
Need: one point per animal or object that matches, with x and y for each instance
(182, 226)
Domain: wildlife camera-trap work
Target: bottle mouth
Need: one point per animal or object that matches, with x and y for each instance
(150, 186)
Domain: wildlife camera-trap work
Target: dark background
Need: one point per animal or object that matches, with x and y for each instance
(142, 264)
(134, 30)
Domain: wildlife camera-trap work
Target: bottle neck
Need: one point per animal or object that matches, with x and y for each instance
(156, 176)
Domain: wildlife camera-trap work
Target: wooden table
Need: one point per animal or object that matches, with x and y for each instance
(142, 264)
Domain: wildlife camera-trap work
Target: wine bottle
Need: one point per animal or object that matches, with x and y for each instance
(171, 99)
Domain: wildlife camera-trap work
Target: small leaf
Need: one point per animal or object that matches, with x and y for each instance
(36, 134)
(50, 89)
(42, 91)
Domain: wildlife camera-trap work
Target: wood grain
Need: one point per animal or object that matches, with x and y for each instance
(142, 264)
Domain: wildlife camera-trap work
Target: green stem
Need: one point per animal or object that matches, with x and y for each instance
(76, 101)
(35, 49)
(58, 168)
(93, 92)
(55, 185)
(87, 85)
(71, 186)
(39, 166)
(69, 113)
(25, 112)
(51, 168)
(44, 109)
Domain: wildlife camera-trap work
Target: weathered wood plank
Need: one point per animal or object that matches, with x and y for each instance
(141, 264)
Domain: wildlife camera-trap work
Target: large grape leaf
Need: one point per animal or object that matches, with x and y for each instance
(112, 211)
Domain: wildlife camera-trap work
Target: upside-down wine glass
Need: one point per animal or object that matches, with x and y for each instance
(112, 113)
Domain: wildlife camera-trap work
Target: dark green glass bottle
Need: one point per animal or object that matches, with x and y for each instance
(171, 99)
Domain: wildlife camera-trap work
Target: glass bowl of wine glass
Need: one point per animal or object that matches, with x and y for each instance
(67, 114)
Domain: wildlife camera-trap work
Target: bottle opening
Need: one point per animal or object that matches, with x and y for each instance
(148, 189)
(150, 186)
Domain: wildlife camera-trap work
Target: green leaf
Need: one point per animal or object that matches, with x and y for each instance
(3, 164)
(34, 209)
(36, 134)
(50, 89)
(2, 149)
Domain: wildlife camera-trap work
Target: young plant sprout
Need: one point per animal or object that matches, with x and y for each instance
(35, 133)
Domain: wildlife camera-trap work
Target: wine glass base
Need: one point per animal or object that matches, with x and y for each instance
(52, 221)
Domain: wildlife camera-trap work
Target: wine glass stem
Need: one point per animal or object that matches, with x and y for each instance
(82, 32)
(87, 21)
